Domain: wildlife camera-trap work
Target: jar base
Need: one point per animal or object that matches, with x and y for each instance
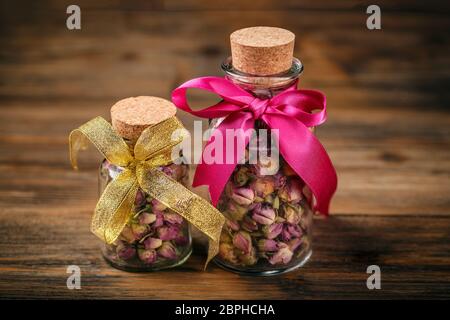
(254, 272)
(124, 266)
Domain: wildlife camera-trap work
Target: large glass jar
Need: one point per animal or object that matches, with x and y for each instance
(269, 216)
(155, 237)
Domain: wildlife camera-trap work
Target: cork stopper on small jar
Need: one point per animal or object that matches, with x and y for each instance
(262, 51)
(132, 115)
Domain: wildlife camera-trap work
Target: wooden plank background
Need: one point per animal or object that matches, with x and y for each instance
(388, 134)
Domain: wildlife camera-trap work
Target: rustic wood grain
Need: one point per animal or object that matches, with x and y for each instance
(388, 134)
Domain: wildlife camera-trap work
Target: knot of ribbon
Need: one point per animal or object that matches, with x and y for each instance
(291, 112)
(141, 170)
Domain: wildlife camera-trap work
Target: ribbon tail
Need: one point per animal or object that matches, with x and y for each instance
(307, 157)
(114, 207)
(184, 202)
(236, 128)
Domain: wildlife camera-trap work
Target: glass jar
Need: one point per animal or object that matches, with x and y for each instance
(155, 237)
(269, 217)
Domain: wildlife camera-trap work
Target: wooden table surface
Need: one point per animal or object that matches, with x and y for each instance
(388, 134)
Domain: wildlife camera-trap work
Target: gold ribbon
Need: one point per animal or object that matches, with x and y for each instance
(152, 149)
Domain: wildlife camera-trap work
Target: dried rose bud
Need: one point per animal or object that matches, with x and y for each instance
(139, 230)
(147, 218)
(233, 225)
(125, 251)
(263, 186)
(290, 231)
(243, 196)
(292, 214)
(235, 211)
(226, 252)
(158, 206)
(249, 224)
(280, 180)
(241, 176)
(283, 255)
(243, 241)
(159, 219)
(168, 232)
(147, 256)
(292, 191)
(248, 258)
(173, 218)
(128, 235)
(152, 243)
(225, 237)
(140, 198)
(167, 250)
(174, 171)
(267, 245)
(264, 214)
(181, 239)
(273, 231)
(294, 243)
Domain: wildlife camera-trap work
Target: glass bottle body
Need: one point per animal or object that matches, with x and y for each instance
(155, 237)
(268, 210)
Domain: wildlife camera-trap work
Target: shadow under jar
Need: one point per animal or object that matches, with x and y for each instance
(269, 216)
(154, 237)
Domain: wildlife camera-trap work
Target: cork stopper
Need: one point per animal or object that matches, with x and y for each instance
(262, 51)
(132, 115)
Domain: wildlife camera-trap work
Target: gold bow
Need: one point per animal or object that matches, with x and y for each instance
(152, 149)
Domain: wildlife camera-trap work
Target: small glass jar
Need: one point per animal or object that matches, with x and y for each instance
(269, 217)
(155, 237)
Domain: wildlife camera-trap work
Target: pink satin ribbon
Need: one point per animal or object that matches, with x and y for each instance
(289, 112)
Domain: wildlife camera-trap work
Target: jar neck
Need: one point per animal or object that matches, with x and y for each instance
(263, 87)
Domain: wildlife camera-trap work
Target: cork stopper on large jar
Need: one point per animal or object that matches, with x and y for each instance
(262, 51)
(133, 115)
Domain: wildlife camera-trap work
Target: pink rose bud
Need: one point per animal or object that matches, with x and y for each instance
(243, 241)
(241, 176)
(168, 233)
(174, 171)
(158, 206)
(264, 214)
(263, 186)
(273, 231)
(233, 225)
(282, 256)
(243, 196)
(292, 191)
(128, 235)
(147, 256)
(139, 230)
(292, 214)
(295, 230)
(140, 198)
(249, 224)
(125, 251)
(147, 218)
(236, 211)
(267, 245)
(294, 243)
(248, 258)
(159, 219)
(173, 218)
(167, 250)
(152, 243)
(280, 180)
(181, 239)
(226, 252)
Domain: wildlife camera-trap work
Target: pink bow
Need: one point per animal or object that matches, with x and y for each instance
(290, 112)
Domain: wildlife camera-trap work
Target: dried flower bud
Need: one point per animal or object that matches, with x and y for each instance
(128, 235)
(167, 250)
(140, 199)
(235, 211)
(249, 224)
(125, 251)
(168, 232)
(233, 225)
(241, 176)
(147, 218)
(225, 237)
(173, 218)
(139, 230)
(294, 243)
(159, 219)
(292, 191)
(152, 243)
(243, 196)
(267, 245)
(158, 206)
(147, 256)
(226, 252)
(273, 231)
(248, 258)
(243, 241)
(263, 186)
(292, 214)
(264, 214)
(282, 256)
